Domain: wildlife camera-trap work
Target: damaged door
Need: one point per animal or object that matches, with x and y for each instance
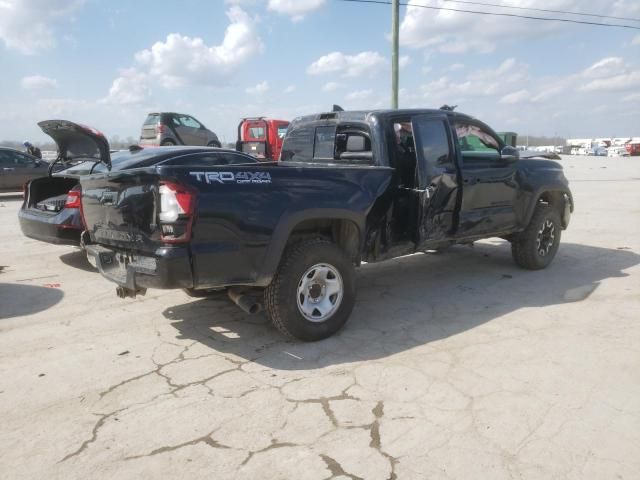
(437, 179)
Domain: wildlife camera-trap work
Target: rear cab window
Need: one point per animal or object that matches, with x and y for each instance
(339, 144)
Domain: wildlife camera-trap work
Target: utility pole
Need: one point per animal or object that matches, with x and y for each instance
(395, 13)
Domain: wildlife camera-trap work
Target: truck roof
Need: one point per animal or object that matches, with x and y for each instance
(362, 115)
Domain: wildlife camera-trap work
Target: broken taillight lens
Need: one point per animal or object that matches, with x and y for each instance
(177, 205)
(73, 198)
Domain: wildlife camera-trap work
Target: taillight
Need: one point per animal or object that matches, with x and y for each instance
(177, 205)
(160, 129)
(73, 198)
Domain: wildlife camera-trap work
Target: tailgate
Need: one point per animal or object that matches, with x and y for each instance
(120, 209)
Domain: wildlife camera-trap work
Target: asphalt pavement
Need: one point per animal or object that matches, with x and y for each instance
(455, 365)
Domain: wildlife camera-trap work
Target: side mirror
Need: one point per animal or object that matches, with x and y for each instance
(509, 154)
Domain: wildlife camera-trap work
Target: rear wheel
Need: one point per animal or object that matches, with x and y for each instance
(537, 245)
(313, 293)
(168, 142)
(213, 144)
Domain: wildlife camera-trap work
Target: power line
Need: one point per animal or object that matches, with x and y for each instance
(513, 7)
(497, 14)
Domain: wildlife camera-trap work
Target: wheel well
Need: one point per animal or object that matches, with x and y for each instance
(344, 233)
(554, 199)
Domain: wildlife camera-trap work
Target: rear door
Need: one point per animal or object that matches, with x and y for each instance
(437, 188)
(254, 141)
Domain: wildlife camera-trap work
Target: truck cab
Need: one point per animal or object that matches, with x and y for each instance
(261, 137)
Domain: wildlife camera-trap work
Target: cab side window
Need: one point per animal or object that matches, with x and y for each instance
(476, 144)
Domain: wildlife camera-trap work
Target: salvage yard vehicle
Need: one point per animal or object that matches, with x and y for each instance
(17, 168)
(168, 128)
(50, 211)
(261, 137)
(350, 187)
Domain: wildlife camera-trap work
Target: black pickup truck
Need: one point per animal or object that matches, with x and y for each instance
(350, 187)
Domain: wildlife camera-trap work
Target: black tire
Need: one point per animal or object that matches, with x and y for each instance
(214, 144)
(167, 143)
(527, 251)
(281, 296)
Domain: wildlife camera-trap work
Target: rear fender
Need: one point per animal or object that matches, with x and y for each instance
(287, 226)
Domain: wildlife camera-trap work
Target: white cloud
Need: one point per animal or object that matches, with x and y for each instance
(610, 74)
(634, 97)
(605, 68)
(519, 96)
(347, 65)
(458, 32)
(259, 89)
(616, 83)
(131, 87)
(403, 61)
(509, 74)
(290, 88)
(454, 67)
(27, 25)
(331, 86)
(636, 40)
(182, 60)
(359, 95)
(548, 92)
(37, 82)
(296, 9)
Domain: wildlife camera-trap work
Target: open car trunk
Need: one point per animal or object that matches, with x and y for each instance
(48, 194)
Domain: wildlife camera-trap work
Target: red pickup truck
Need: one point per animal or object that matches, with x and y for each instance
(261, 137)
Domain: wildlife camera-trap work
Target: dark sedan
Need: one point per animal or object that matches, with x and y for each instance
(51, 208)
(17, 168)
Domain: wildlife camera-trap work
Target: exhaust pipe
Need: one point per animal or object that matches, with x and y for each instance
(244, 300)
(124, 292)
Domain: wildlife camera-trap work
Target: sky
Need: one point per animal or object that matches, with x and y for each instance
(108, 63)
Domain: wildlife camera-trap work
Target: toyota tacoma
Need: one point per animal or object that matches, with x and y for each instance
(350, 187)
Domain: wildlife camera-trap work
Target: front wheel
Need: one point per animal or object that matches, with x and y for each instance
(536, 246)
(313, 292)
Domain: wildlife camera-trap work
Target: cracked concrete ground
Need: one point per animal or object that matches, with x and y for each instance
(453, 365)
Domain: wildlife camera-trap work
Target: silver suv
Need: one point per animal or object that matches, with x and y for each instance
(168, 128)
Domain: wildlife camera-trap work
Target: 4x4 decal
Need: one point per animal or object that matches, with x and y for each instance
(232, 177)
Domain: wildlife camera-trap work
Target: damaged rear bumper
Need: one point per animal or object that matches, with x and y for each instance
(167, 268)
